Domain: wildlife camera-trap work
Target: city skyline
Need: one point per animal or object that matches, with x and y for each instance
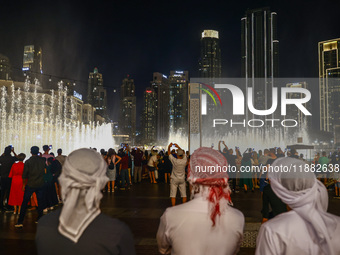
(174, 47)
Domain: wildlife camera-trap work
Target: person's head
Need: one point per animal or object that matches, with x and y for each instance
(59, 151)
(293, 152)
(306, 196)
(34, 150)
(213, 185)
(51, 153)
(289, 180)
(86, 162)
(272, 150)
(266, 152)
(21, 157)
(187, 153)
(8, 150)
(46, 148)
(50, 161)
(111, 152)
(246, 156)
(254, 155)
(173, 151)
(180, 153)
(103, 152)
(83, 168)
(324, 154)
(225, 150)
(271, 154)
(95, 149)
(301, 155)
(231, 151)
(260, 152)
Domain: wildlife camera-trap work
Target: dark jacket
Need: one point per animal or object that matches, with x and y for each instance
(34, 171)
(6, 162)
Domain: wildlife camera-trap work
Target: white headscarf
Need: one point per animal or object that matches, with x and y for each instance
(308, 197)
(82, 179)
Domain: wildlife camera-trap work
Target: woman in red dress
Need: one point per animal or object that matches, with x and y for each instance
(16, 194)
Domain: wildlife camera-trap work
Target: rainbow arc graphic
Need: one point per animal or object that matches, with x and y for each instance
(210, 94)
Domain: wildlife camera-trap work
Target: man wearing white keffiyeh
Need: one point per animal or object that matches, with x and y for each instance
(307, 228)
(80, 228)
(81, 193)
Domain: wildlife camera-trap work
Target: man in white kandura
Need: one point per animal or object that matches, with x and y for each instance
(207, 224)
(307, 228)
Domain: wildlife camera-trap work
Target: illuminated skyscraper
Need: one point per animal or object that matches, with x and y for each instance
(127, 121)
(96, 93)
(149, 120)
(210, 61)
(160, 85)
(179, 89)
(32, 62)
(259, 49)
(5, 68)
(329, 84)
(293, 112)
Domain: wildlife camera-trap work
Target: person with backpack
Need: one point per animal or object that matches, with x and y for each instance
(112, 159)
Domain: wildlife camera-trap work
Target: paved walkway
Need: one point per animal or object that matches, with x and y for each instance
(140, 208)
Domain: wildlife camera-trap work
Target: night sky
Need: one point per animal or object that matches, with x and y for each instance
(142, 37)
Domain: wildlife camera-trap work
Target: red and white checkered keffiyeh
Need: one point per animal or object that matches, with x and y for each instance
(217, 182)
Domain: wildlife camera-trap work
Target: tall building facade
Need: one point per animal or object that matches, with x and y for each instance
(292, 112)
(127, 120)
(96, 93)
(32, 63)
(160, 85)
(260, 54)
(329, 84)
(179, 99)
(150, 116)
(5, 68)
(210, 60)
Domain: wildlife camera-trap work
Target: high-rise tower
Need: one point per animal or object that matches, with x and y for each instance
(179, 97)
(5, 68)
(260, 49)
(32, 62)
(160, 85)
(127, 121)
(329, 84)
(210, 60)
(96, 93)
(149, 120)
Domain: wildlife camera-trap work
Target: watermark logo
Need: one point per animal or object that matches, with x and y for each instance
(239, 99)
(204, 97)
